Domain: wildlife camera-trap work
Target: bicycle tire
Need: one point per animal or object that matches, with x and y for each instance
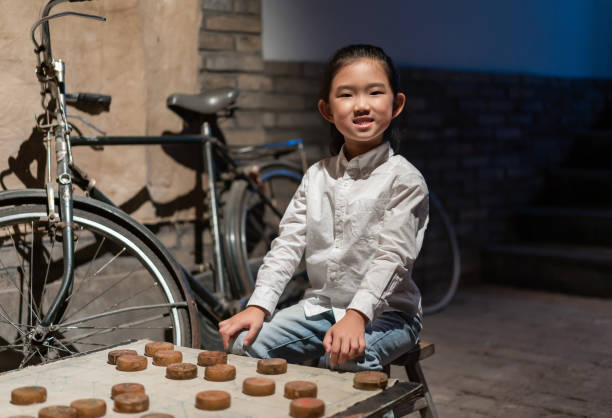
(438, 267)
(119, 279)
(250, 226)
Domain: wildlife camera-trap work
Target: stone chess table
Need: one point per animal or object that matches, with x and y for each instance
(90, 376)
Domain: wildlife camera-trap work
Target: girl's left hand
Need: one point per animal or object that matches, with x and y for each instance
(345, 340)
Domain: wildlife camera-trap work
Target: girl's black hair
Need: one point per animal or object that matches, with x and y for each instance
(343, 57)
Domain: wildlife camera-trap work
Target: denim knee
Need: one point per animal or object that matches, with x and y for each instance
(236, 345)
(370, 360)
(254, 350)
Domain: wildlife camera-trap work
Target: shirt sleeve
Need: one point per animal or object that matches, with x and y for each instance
(404, 223)
(285, 254)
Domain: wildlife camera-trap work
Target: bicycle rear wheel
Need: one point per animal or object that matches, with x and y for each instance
(438, 266)
(122, 289)
(250, 226)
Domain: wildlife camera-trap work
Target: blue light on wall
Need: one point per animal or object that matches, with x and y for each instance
(570, 38)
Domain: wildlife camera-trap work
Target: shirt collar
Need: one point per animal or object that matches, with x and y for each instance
(364, 164)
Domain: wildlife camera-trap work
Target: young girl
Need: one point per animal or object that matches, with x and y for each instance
(360, 217)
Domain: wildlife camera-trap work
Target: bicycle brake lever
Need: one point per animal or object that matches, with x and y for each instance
(55, 16)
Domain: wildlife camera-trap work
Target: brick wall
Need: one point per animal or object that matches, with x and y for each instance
(483, 141)
(277, 99)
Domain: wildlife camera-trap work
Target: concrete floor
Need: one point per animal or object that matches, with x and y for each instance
(504, 352)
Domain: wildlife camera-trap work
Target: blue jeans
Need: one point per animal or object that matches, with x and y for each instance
(291, 335)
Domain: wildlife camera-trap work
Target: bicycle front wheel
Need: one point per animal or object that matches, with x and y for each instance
(250, 225)
(121, 289)
(438, 266)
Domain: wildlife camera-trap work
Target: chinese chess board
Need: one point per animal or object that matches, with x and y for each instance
(90, 376)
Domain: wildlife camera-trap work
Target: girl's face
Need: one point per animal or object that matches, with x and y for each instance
(361, 104)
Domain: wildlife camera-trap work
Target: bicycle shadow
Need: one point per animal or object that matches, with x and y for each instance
(29, 165)
(29, 168)
(189, 156)
(31, 150)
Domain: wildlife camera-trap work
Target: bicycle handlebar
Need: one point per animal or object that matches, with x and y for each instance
(45, 46)
(86, 100)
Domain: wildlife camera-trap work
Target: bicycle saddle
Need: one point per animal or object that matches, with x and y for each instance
(209, 102)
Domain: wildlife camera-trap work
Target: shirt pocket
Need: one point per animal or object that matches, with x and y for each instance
(366, 218)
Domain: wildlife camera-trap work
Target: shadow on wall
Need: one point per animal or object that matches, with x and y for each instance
(32, 150)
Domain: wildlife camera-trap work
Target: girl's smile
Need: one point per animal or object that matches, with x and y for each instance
(363, 122)
(361, 104)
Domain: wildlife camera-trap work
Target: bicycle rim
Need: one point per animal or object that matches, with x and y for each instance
(438, 266)
(250, 226)
(121, 291)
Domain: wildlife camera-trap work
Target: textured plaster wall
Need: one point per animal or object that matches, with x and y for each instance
(145, 51)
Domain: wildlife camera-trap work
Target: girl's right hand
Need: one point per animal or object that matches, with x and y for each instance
(251, 318)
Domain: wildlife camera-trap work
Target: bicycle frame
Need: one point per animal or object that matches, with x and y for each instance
(211, 149)
(51, 74)
(67, 214)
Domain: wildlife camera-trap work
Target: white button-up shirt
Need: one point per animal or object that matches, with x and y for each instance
(360, 224)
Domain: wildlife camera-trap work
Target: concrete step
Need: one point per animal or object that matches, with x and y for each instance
(562, 268)
(565, 225)
(577, 188)
(591, 149)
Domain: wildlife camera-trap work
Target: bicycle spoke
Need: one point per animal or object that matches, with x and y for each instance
(9, 346)
(31, 298)
(42, 358)
(114, 327)
(44, 288)
(25, 359)
(63, 346)
(109, 262)
(118, 311)
(95, 257)
(66, 348)
(109, 329)
(11, 322)
(14, 323)
(94, 344)
(53, 347)
(22, 269)
(91, 263)
(72, 314)
(121, 289)
(15, 285)
(16, 250)
(121, 302)
(83, 353)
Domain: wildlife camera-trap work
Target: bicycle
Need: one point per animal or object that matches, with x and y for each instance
(81, 275)
(438, 267)
(91, 252)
